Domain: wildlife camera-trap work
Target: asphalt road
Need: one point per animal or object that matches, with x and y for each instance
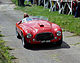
(69, 52)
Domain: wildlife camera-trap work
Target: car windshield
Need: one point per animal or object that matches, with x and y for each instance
(38, 18)
(30, 18)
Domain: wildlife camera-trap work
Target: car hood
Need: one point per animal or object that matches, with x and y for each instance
(39, 26)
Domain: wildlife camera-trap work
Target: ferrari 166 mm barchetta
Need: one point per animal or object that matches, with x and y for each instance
(38, 30)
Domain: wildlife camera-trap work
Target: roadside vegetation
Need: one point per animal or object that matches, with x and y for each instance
(5, 57)
(67, 22)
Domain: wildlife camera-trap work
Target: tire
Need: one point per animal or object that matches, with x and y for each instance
(59, 42)
(24, 43)
(17, 34)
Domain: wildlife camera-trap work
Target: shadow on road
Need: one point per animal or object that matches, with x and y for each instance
(0, 2)
(48, 46)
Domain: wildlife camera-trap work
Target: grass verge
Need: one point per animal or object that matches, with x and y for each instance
(68, 22)
(5, 57)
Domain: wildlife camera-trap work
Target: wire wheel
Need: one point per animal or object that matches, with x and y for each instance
(17, 34)
(24, 43)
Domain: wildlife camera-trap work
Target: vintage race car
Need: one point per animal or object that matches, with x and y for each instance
(38, 30)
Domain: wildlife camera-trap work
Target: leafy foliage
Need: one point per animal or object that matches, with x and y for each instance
(15, 2)
(4, 54)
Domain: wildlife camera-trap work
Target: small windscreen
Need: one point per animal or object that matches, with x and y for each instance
(38, 18)
(30, 18)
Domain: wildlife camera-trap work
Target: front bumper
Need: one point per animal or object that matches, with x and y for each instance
(34, 41)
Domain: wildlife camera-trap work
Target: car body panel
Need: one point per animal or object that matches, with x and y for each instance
(35, 27)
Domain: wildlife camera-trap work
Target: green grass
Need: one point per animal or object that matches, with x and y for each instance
(15, 2)
(1, 35)
(78, 43)
(5, 57)
(68, 22)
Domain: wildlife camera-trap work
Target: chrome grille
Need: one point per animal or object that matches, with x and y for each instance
(44, 36)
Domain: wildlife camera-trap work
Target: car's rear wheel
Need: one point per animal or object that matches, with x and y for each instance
(17, 34)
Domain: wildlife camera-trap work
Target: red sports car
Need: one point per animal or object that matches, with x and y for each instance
(37, 30)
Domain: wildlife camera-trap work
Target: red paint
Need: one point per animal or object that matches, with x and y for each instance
(38, 26)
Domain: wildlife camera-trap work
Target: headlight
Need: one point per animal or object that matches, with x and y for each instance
(29, 35)
(58, 33)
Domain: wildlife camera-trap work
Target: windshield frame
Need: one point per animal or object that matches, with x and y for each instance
(31, 18)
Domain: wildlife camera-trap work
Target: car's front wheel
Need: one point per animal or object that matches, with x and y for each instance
(24, 43)
(17, 34)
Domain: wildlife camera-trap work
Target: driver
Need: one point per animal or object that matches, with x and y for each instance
(26, 15)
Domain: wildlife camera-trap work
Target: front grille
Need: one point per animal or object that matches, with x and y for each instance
(44, 36)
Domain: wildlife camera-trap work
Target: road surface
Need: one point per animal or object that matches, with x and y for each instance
(69, 52)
